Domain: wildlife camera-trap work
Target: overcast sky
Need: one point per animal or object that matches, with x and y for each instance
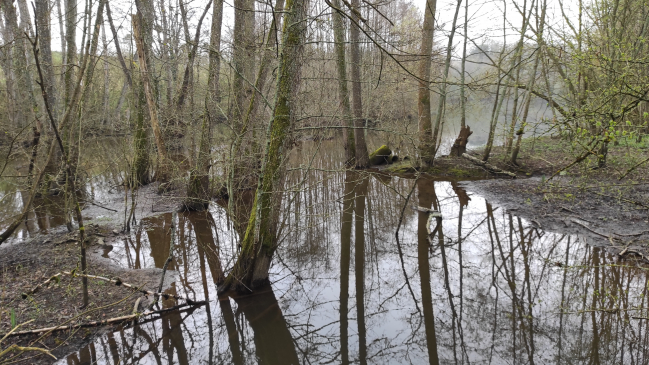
(486, 18)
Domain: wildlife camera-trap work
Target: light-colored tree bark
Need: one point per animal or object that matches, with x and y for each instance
(425, 125)
(540, 29)
(343, 90)
(463, 98)
(43, 22)
(243, 58)
(213, 97)
(441, 105)
(162, 172)
(517, 60)
(23, 110)
(71, 48)
(360, 146)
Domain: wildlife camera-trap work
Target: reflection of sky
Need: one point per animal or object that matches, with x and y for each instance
(394, 329)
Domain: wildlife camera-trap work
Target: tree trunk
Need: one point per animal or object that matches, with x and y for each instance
(213, 96)
(343, 91)
(118, 49)
(45, 43)
(425, 128)
(259, 242)
(441, 106)
(23, 107)
(141, 161)
(459, 146)
(517, 60)
(362, 156)
(71, 48)
(162, 174)
(198, 189)
(463, 98)
(243, 55)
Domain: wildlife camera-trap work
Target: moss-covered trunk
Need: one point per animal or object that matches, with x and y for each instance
(140, 170)
(259, 243)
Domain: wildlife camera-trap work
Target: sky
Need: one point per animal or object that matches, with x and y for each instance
(485, 18)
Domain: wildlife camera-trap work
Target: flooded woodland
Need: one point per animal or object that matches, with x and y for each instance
(324, 182)
(361, 276)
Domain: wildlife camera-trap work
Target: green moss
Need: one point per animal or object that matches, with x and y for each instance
(380, 156)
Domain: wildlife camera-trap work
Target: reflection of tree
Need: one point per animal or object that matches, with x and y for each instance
(359, 264)
(202, 223)
(273, 340)
(345, 258)
(426, 197)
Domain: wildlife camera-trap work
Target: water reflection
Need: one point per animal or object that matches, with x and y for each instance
(485, 287)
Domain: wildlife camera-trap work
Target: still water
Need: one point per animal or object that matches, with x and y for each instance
(485, 287)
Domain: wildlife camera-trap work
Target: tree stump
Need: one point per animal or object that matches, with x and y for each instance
(459, 146)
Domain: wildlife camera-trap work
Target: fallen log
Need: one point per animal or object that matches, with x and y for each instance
(488, 167)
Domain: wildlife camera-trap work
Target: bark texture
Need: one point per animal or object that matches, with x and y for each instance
(259, 242)
(426, 143)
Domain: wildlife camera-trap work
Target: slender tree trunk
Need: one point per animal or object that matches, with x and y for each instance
(71, 48)
(426, 143)
(269, 52)
(530, 87)
(360, 147)
(343, 91)
(71, 178)
(239, 177)
(499, 99)
(214, 68)
(463, 98)
(259, 242)
(118, 49)
(106, 91)
(162, 172)
(189, 67)
(166, 52)
(23, 104)
(64, 52)
(6, 53)
(243, 56)
(141, 160)
(442, 97)
(517, 60)
(45, 43)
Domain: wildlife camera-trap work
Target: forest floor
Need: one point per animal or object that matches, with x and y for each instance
(28, 263)
(606, 206)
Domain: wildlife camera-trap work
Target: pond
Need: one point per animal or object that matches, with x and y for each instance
(480, 286)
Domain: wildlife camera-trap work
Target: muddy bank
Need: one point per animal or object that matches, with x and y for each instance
(610, 213)
(25, 263)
